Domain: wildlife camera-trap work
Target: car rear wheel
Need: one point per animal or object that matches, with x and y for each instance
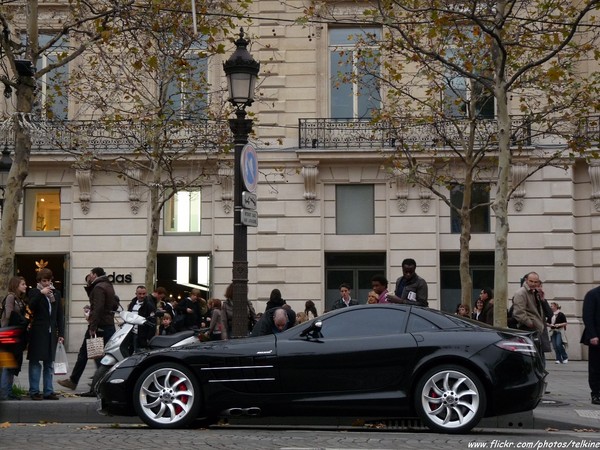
(450, 399)
(167, 395)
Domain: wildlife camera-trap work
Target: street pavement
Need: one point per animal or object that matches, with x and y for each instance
(566, 407)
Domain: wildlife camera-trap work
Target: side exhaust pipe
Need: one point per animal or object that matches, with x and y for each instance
(253, 411)
(236, 412)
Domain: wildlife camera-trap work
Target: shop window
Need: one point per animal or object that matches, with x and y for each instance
(42, 212)
(183, 212)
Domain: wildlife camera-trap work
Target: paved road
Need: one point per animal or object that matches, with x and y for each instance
(77, 437)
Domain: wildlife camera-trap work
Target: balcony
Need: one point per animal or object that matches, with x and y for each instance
(119, 137)
(363, 133)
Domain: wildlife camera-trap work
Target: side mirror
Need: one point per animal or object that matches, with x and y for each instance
(314, 330)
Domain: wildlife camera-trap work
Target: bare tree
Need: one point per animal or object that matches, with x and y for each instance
(444, 66)
(81, 24)
(150, 89)
(142, 55)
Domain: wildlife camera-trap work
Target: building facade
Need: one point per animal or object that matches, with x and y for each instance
(330, 210)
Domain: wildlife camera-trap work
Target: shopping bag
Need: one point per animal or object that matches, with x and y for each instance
(61, 364)
(95, 347)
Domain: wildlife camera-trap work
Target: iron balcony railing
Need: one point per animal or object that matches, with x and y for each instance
(117, 137)
(363, 133)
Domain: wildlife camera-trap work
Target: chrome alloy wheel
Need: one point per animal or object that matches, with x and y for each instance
(451, 400)
(166, 396)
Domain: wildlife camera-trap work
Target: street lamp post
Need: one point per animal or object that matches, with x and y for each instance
(5, 165)
(242, 71)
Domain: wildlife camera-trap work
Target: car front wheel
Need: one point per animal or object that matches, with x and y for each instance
(167, 395)
(450, 399)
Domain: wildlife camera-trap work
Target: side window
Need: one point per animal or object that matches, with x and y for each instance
(417, 324)
(364, 322)
(41, 212)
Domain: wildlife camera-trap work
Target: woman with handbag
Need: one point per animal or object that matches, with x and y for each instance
(13, 314)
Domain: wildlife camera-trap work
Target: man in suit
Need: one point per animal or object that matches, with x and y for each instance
(590, 337)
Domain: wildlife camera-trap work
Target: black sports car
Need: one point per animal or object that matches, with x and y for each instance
(372, 361)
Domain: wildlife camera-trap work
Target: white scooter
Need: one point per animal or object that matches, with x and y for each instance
(120, 345)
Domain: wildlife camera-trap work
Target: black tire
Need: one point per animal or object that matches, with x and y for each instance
(98, 375)
(167, 395)
(450, 399)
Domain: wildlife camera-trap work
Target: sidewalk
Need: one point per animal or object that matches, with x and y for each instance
(566, 407)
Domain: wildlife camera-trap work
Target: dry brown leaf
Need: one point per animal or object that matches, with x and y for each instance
(585, 430)
(5, 425)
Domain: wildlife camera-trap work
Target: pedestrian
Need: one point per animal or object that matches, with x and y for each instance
(227, 312)
(82, 355)
(217, 330)
(463, 311)
(46, 330)
(166, 327)
(477, 312)
(275, 300)
(591, 338)
(410, 287)
(558, 328)
(274, 321)
(345, 299)
(144, 306)
(487, 315)
(529, 311)
(372, 298)
(379, 284)
(13, 314)
(310, 309)
(103, 304)
(191, 310)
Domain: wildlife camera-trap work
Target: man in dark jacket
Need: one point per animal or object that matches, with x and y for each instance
(591, 338)
(103, 304)
(45, 331)
(410, 287)
(144, 305)
(345, 300)
(274, 320)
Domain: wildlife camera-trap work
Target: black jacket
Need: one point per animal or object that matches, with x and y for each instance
(340, 303)
(591, 315)
(147, 309)
(46, 325)
(266, 325)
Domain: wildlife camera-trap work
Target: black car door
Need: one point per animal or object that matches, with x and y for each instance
(360, 349)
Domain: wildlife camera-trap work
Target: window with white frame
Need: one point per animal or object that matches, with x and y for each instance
(41, 208)
(187, 88)
(53, 84)
(182, 212)
(355, 209)
(354, 71)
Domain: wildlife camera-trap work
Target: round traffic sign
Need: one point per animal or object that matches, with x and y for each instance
(249, 165)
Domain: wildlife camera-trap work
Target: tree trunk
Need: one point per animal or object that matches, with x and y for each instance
(16, 179)
(500, 207)
(466, 282)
